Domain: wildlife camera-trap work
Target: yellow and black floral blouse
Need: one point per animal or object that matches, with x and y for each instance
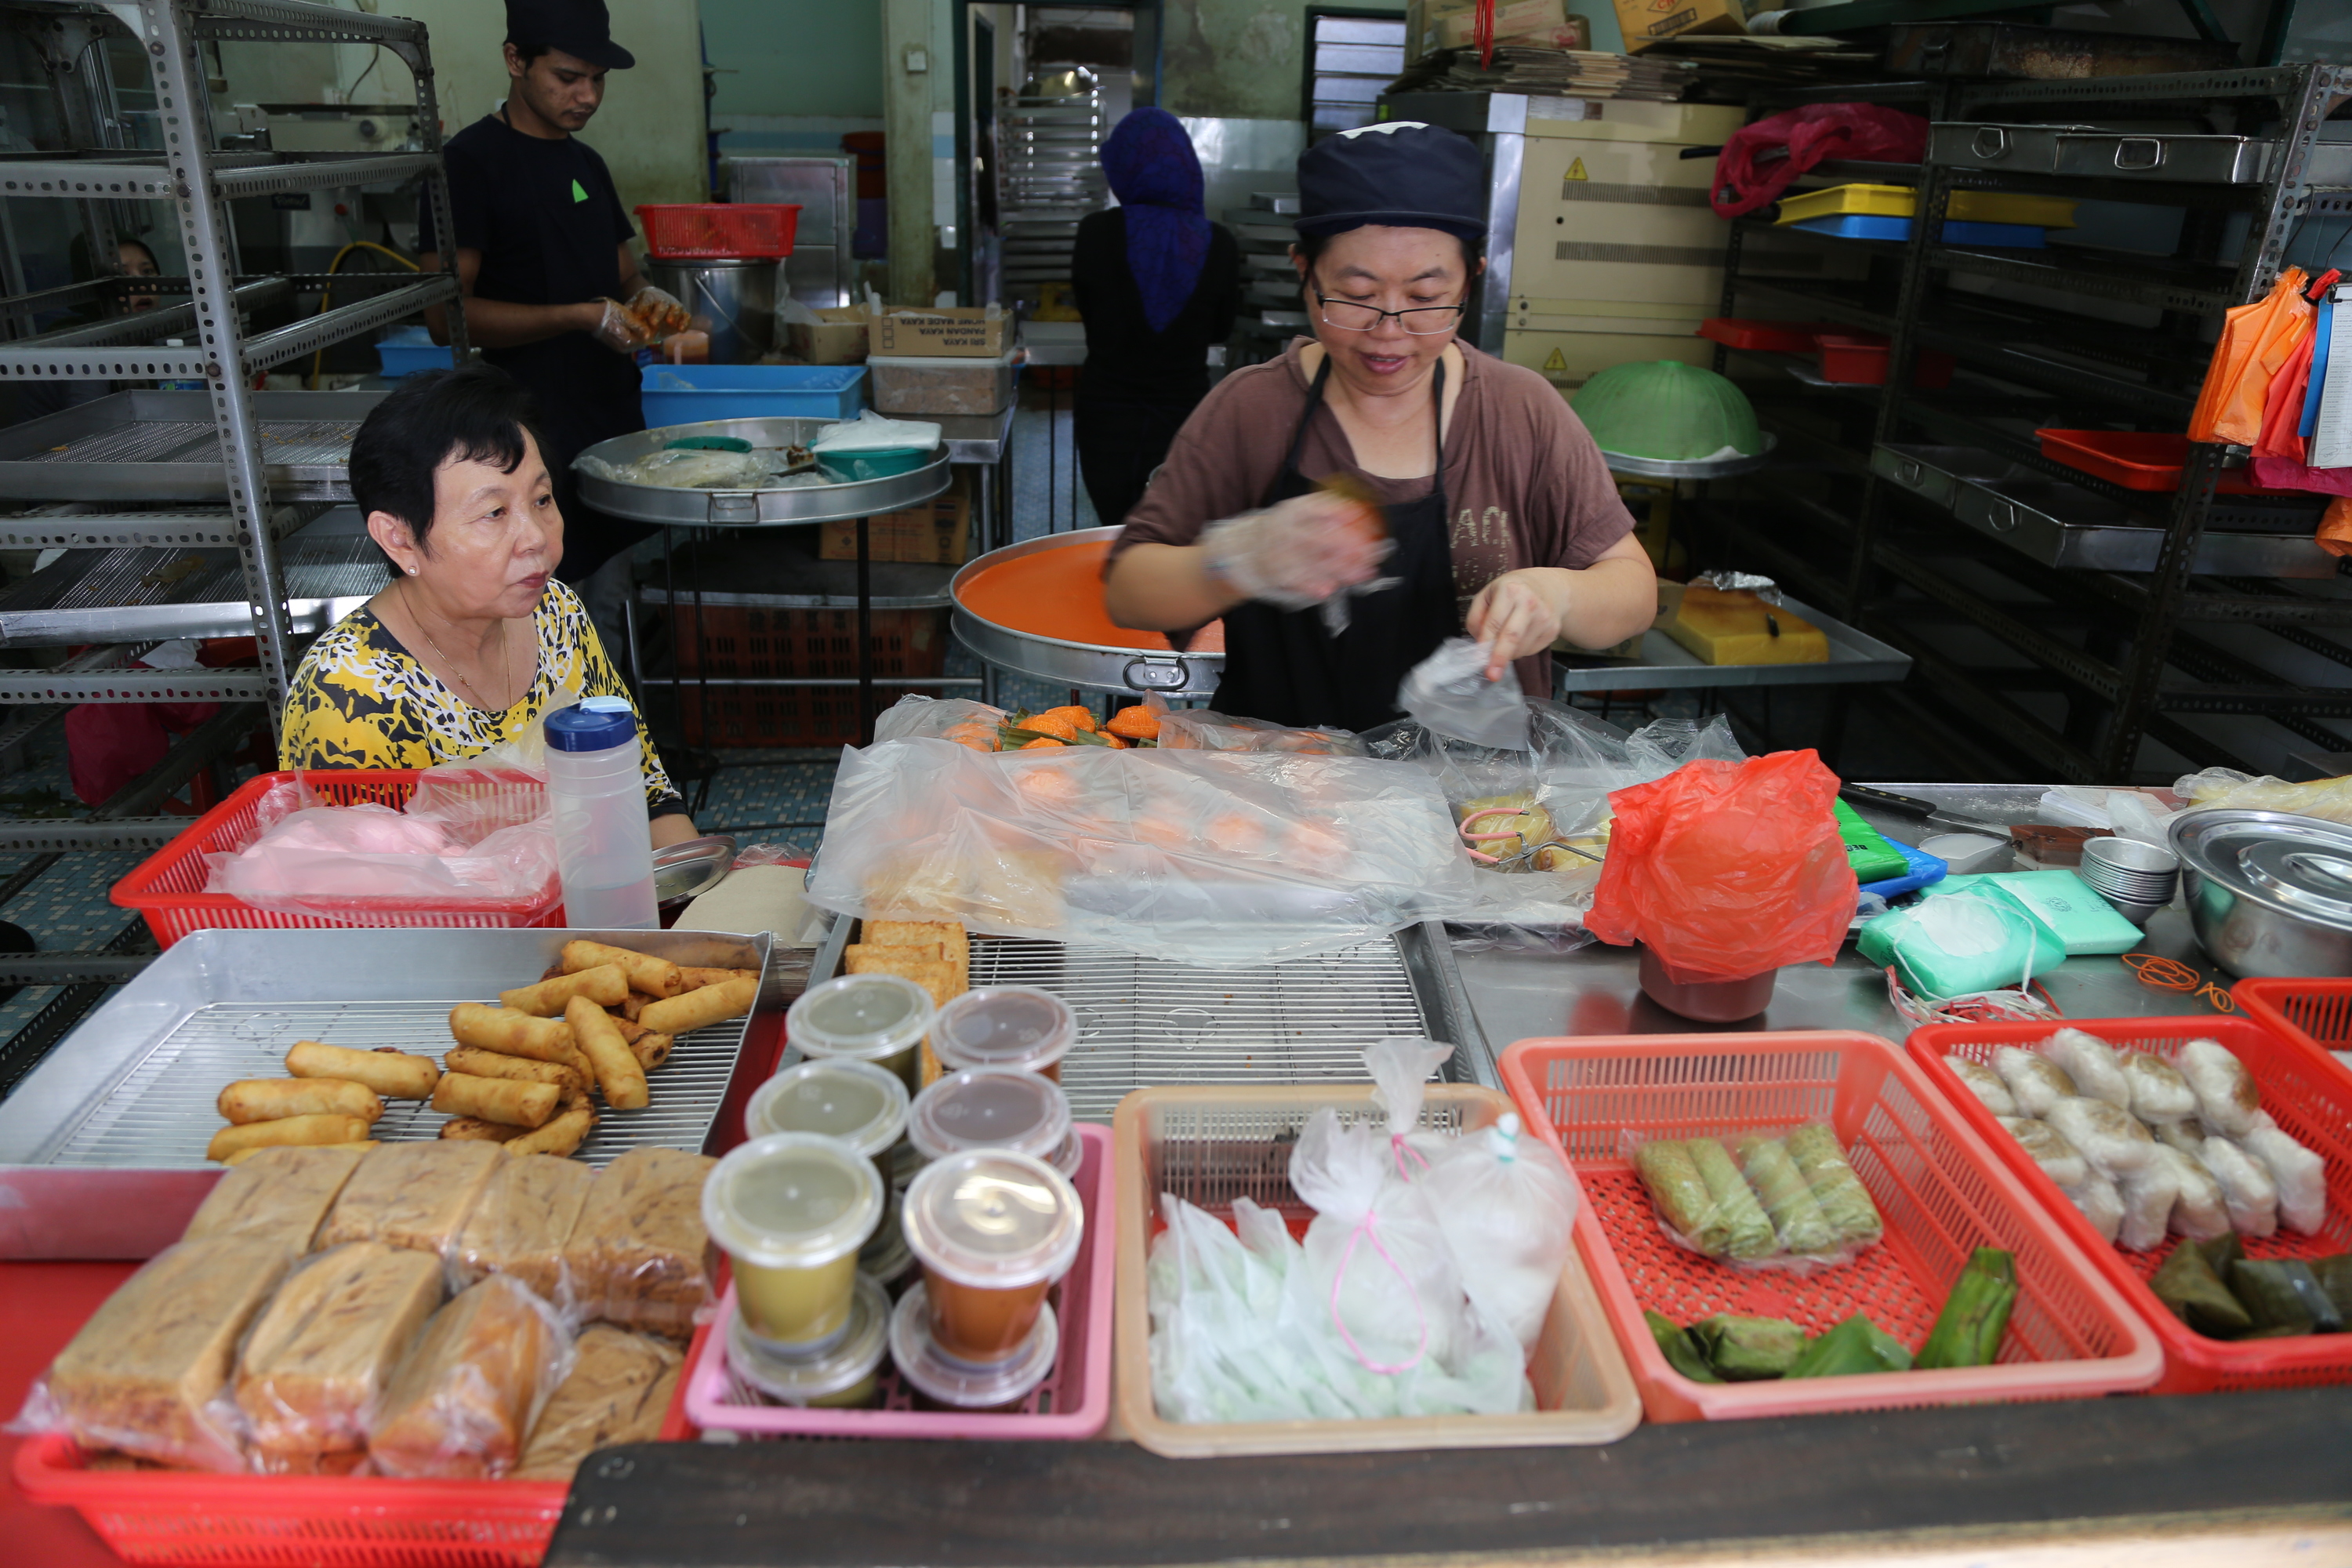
(362, 701)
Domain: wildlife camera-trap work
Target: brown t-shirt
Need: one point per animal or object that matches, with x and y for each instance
(1525, 486)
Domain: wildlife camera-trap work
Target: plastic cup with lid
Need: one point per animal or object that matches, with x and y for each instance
(877, 1018)
(859, 1102)
(1006, 1026)
(995, 1108)
(943, 1381)
(993, 1230)
(845, 1375)
(790, 1210)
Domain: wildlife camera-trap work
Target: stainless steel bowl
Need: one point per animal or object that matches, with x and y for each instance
(2269, 893)
(1096, 666)
(695, 867)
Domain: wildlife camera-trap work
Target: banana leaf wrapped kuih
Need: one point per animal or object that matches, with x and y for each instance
(1749, 1349)
(1976, 1314)
(1856, 1345)
(2284, 1297)
(1681, 1352)
(2215, 1289)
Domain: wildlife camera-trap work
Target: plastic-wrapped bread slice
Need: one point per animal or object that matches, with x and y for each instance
(415, 1195)
(2034, 1081)
(279, 1194)
(619, 1388)
(2093, 1064)
(467, 1393)
(2227, 1099)
(2158, 1093)
(322, 1353)
(639, 1256)
(2300, 1175)
(2110, 1138)
(145, 1372)
(520, 1223)
(1985, 1084)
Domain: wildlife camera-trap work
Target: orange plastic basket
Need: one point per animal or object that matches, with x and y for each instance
(1941, 1191)
(719, 231)
(169, 888)
(2303, 1087)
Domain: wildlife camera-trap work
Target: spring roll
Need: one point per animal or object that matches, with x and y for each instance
(606, 985)
(274, 1098)
(328, 1128)
(656, 977)
(522, 1069)
(475, 1128)
(391, 1074)
(239, 1156)
(651, 1049)
(696, 978)
(699, 1009)
(496, 1099)
(561, 1135)
(617, 1072)
(511, 1034)
(635, 1003)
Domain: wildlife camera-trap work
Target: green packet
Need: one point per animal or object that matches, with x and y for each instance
(1873, 860)
(2062, 903)
(1948, 946)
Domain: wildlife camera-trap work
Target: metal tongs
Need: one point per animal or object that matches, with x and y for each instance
(1526, 851)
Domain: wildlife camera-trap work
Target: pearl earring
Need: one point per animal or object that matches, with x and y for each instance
(412, 571)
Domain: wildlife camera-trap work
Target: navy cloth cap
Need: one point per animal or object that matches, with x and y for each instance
(1401, 173)
(581, 29)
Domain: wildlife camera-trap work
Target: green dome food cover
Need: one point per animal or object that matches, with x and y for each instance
(1667, 410)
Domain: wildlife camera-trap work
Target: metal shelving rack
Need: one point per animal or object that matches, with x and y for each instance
(2126, 654)
(143, 503)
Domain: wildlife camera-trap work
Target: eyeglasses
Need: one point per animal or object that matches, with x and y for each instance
(1421, 320)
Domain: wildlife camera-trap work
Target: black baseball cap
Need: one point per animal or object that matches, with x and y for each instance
(581, 29)
(1399, 173)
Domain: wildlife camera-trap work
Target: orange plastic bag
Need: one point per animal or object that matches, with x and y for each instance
(1727, 869)
(2256, 343)
(2335, 534)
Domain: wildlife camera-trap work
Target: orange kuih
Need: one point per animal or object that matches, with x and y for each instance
(1726, 871)
(1075, 715)
(1140, 722)
(1050, 724)
(1046, 741)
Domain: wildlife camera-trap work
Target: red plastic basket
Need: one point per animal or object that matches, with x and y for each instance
(1941, 1190)
(2137, 460)
(2301, 1086)
(169, 888)
(1763, 337)
(1859, 359)
(719, 231)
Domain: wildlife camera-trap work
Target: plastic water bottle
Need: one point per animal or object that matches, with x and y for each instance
(596, 790)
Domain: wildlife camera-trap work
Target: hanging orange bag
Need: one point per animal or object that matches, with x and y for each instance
(1726, 871)
(2256, 343)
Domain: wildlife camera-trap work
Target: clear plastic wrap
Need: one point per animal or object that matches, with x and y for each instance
(967, 723)
(470, 1390)
(520, 1223)
(2220, 789)
(618, 1392)
(1449, 692)
(1210, 857)
(279, 1194)
(319, 1357)
(1507, 1204)
(1756, 1201)
(417, 1196)
(481, 838)
(1201, 729)
(638, 1255)
(147, 1375)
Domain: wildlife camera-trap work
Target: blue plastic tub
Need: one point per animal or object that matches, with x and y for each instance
(1870, 225)
(410, 349)
(689, 393)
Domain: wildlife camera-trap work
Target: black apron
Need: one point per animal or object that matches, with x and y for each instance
(1283, 666)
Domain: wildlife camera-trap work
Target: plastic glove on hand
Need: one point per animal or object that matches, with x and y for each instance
(1299, 552)
(659, 312)
(618, 331)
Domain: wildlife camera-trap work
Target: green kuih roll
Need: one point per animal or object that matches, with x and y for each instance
(1856, 1345)
(2186, 1283)
(1735, 1202)
(1749, 1349)
(1680, 1351)
(1976, 1314)
(1681, 1195)
(1797, 1218)
(1834, 1185)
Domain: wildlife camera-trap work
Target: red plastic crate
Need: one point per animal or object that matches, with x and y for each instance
(1859, 359)
(2302, 1087)
(2139, 459)
(1941, 1191)
(1763, 337)
(169, 888)
(719, 231)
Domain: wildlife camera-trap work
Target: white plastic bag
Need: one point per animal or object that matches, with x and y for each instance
(2228, 788)
(869, 432)
(1509, 1205)
(1449, 692)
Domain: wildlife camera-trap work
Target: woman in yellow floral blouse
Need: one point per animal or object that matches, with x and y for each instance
(475, 638)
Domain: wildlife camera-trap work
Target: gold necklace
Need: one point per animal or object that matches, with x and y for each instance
(505, 657)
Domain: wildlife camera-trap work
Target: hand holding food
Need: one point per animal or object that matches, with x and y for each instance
(1297, 553)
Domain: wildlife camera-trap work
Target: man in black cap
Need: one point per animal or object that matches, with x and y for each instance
(541, 249)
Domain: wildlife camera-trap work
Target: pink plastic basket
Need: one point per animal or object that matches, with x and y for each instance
(1072, 1403)
(169, 888)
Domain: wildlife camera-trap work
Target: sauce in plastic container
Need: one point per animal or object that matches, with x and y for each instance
(993, 1230)
(843, 1376)
(877, 1018)
(995, 1108)
(1015, 1026)
(791, 1210)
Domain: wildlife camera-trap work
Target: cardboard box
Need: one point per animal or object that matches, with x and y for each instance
(1646, 22)
(938, 533)
(1434, 24)
(838, 338)
(970, 331)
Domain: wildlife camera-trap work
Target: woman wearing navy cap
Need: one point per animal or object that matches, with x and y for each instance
(1501, 517)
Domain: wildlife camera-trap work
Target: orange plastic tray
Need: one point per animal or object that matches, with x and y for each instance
(1941, 1190)
(2308, 1092)
(1058, 593)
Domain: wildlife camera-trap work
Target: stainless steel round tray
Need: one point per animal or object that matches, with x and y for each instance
(748, 508)
(1096, 665)
(1696, 468)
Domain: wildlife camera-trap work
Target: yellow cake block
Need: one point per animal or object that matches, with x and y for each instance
(1740, 628)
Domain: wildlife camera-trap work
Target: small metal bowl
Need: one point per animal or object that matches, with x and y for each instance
(697, 866)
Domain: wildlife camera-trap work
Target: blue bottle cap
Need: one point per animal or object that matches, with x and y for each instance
(597, 724)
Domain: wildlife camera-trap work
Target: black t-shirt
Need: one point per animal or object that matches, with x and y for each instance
(549, 224)
(1127, 362)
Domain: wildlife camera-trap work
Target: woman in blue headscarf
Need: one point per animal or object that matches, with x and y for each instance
(1158, 283)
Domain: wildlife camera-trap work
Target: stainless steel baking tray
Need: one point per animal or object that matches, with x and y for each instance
(162, 445)
(103, 1146)
(1692, 468)
(1096, 666)
(2089, 150)
(1933, 473)
(2065, 525)
(1856, 657)
(136, 594)
(748, 508)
